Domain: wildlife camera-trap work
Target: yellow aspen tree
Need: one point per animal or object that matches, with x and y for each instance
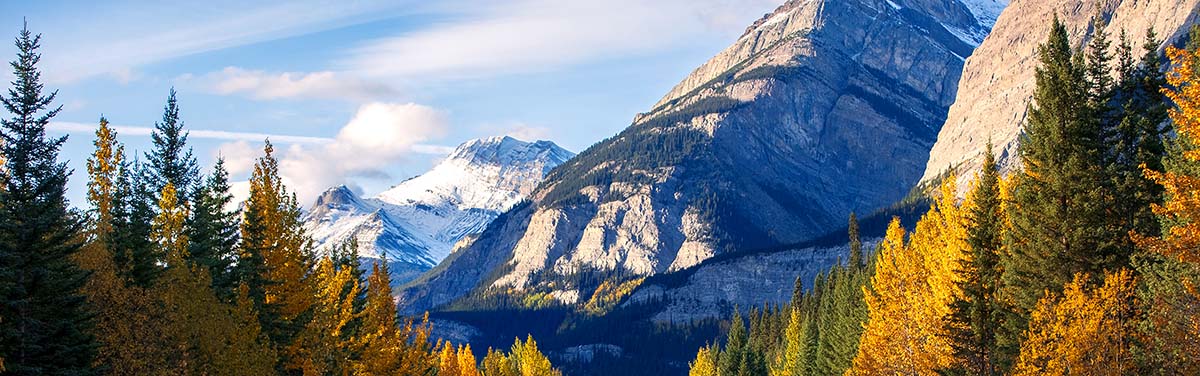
(324, 346)
(705, 363)
(911, 292)
(466, 361)
(128, 319)
(206, 336)
(1084, 331)
(529, 360)
(495, 363)
(274, 259)
(447, 360)
(791, 361)
(387, 348)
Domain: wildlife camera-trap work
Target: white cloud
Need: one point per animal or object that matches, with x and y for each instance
(264, 85)
(536, 35)
(375, 139)
(129, 130)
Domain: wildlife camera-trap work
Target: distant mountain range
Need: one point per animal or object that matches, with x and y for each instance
(417, 223)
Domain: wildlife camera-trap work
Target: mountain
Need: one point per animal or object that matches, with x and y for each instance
(820, 109)
(998, 82)
(417, 222)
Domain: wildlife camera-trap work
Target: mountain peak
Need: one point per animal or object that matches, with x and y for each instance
(338, 197)
(506, 150)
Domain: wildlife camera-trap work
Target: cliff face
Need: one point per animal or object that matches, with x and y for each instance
(998, 79)
(821, 108)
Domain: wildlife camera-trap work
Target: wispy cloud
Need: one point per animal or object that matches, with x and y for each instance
(263, 85)
(127, 36)
(535, 35)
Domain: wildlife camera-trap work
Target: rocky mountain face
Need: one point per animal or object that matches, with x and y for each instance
(998, 79)
(714, 289)
(416, 223)
(819, 109)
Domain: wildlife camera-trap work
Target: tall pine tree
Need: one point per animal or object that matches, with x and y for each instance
(1061, 199)
(171, 160)
(46, 323)
(976, 312)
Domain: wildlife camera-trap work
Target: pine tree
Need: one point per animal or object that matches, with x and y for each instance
(1062, 196)
(976, 312)
(856, 255)
(136, 257)
(274, 260)
(46, 323)
(736, 346)
(213, 230)
(171, 160)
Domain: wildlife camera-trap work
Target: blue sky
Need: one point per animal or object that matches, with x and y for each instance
(365, 93)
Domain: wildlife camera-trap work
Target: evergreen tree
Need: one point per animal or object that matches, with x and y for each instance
(46, 323)
(171, 160)
(1061, 199)
(136, 257)
(856, 255)
(213, 230)
(976, 313)
(736, 346)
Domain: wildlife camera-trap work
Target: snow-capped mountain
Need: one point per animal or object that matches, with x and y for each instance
(417, 222)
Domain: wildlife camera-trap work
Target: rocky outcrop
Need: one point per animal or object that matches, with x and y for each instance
(998, 79)
(820, 109)
(714, 289)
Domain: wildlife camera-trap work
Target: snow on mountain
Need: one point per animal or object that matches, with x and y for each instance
(417, 222)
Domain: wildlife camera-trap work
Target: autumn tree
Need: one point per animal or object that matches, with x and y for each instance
(325, 346)
(46, 321)
(387, 348)
(705, 363)
(129, 326)
(1084, 331)
(1171, 329)
(274, 260)
(208, 336)
(911, 292)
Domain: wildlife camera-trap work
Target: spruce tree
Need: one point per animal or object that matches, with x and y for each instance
(975, 314)
(46, 323)
(856, 255)
(1062, 194)
(136, 257)
(171, 160)
(213, 230)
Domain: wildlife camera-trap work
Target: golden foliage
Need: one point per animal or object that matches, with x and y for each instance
(1084, 331)
(324, 344)
(912, 288)
(705, 363)
(1182, 191)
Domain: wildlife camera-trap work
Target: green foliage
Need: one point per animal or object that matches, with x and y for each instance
(171, 160)
(46, 323)
(213, 231)
(976, 313)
